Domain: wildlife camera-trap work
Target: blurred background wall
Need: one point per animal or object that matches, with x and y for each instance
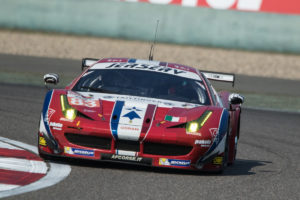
(268, 25)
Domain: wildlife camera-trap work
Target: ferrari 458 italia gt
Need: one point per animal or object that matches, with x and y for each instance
(142, 112)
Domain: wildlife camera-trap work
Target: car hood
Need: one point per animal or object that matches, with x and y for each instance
(129, 116)
(132, 110)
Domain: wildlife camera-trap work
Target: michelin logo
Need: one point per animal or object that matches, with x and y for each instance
(80, 152)
(174, 162)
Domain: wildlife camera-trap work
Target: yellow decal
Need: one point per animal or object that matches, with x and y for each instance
(42, 141)
(206, 118)
(67, 149)
(163, 161)
(218, 160)
(78, 123)
(100, 115)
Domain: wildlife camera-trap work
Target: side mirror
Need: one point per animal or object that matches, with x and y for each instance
(235, 99)
(51, 78)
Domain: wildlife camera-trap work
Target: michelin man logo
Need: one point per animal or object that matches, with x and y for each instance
(69, 150)
(164, 161)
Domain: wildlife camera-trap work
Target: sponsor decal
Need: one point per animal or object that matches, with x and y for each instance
(130, 128)
(80, 152)
(65, 119)
(203, 143)
(164, 161)
(218, 160)
(146, 67)
(127, 120)
(114, 60)
(174, 162)
(108, 97)
(159, 102)
(194, 133)
(89, 111)
(56, 126)
(42, 141)
(50, 113)
(126, 158)
(213, 132)
(152, 66)
(132, 114)
(125, 153)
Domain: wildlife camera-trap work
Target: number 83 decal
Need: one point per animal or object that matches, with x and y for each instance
(83, 102)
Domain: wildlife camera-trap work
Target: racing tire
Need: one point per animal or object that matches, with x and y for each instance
(236, 143)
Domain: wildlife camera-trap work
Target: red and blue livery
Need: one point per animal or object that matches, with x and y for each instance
(142, 112)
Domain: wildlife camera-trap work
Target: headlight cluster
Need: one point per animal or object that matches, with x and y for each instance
(69, 112)
(196, 125)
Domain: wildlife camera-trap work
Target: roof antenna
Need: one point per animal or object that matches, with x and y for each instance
(153, 44)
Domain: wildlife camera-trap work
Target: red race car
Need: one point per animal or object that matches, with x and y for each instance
(142, 112)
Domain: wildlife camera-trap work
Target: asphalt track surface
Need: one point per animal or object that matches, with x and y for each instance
(267, 165)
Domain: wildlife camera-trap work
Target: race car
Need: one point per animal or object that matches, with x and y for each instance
(142, 112)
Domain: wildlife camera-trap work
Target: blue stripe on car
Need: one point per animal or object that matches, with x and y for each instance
(115, 118)
(223, 125)
(45, 110)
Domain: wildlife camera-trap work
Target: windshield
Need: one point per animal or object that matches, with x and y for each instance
(143, 84)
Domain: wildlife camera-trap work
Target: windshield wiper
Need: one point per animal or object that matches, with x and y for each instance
(98, 89)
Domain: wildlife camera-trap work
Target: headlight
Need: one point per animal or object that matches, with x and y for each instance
(69, 112)
(196, 125)
(192, 127)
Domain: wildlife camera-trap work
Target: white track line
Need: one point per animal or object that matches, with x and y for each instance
(57, 172)
(8, 146)
(23, 165)
(4, 187)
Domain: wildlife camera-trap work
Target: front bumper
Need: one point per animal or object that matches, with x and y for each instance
(141, 153)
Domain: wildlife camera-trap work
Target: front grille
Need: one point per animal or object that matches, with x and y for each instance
(89, 141)
(128, 145)
(166, 149)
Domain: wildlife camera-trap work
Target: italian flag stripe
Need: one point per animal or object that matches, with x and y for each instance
(175, 119)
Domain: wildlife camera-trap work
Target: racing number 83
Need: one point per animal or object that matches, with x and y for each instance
(82, 102)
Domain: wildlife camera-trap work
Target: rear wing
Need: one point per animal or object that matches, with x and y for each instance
(87, 62)
(220, 76)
